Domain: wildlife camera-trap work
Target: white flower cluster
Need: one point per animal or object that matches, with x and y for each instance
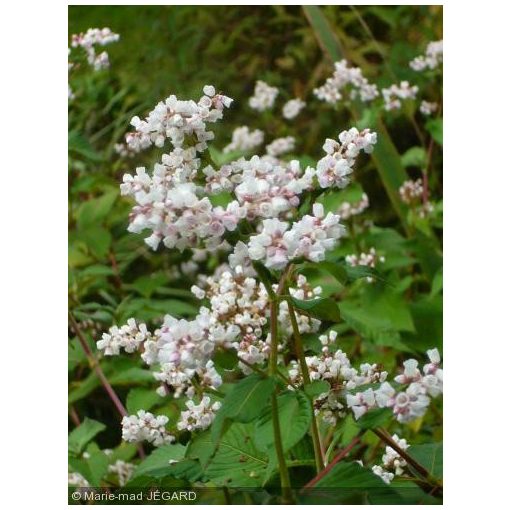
(411, 192)
(124, 471)
(128, 337)
(427, 108)
(409, 404)
(334, 168)
(310, 237)
(264, 187)
(369, 259)
(179, 121)
(77, 480)
(92, 37)
(239, 311)
(292, 108)
(145, 426)
(349, 209)
(263, 96)
(432, 58)
(343, 76)
(244, 140)
(198, 417)
(395, 94)
(281, 146)
(335, 368)
(393, 463)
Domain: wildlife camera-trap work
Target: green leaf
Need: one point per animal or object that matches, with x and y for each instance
(157, 464)
(81, 435)
(265, 277)
(350, 475)
(435, 128)
(415, 156)
(321, 308)
(141, 398)
(236, 462)
(430, 456)
(245, 400)
(94, 211)
(375, 418)
(147, 285)
(295, 416)
(316, 388)
(78, 144)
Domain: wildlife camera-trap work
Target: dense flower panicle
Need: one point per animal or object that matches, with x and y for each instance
(427, 108)
(124, 471)
(394, 95)
(240, 310)
(244, 140)
(334, 168)
(263, 96)
(128, 337)
(178, 121)
(264, 187)
(145, 426)
(348, 209)
(310, 237)
(292, 108)
(411, 192)
(177, 216)
(91, 38)
(198, 417)
(342, 77)
(281, 146)
(335, 368)
(432, 58)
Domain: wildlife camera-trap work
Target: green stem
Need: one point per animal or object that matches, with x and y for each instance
(300, 354)
(273, 371)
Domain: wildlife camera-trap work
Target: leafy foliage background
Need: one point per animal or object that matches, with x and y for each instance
(114, 276)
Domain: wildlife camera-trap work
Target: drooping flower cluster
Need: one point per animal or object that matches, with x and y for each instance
(335, 168)
(263, 96)
(395, 94)
(349, 209)
(91, 38)
(244, 140)
(342, 77)
(310, 238)
(432, 58)
(145, 426)
(198, 417)
(281, 146)
(392, 463)
(408, 404)
(292, 108)
(128, 337)
(334, 368)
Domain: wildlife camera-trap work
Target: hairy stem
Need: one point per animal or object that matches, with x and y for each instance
(300, 354)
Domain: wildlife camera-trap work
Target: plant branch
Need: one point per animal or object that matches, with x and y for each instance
(300, 354)
(338, 457)
(94, 365)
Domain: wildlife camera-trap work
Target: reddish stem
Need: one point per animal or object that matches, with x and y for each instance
(338, 457)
